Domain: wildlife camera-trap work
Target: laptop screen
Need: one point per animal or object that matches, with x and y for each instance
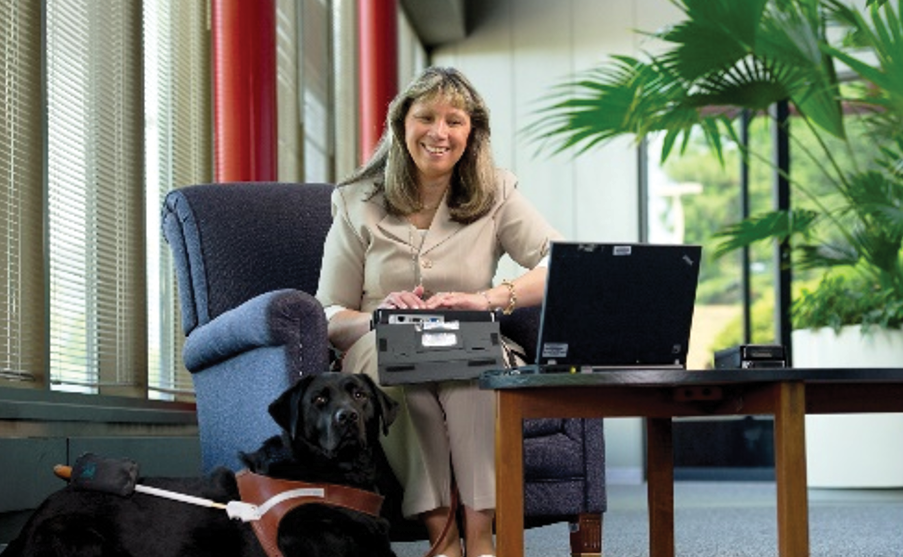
(618, 305)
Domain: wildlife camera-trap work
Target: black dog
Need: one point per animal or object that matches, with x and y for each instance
(332, 425)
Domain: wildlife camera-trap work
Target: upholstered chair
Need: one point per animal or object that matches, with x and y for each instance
(247, 260)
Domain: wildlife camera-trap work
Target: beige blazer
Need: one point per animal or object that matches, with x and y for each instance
(369, 253)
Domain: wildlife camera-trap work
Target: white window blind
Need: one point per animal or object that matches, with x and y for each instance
(288, 94)
(21, 195)
(316, 71)
(95, 126)
(178, 153)
(344, 87)
(303, 69)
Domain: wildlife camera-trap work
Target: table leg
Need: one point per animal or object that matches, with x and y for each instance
(790, 469)
(509, 469)
(660, 487)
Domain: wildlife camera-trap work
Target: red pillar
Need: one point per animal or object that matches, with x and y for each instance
(378, 67)
(244, 89)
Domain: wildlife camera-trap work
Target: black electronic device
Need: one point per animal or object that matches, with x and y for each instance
(748, 356)
(612, 306)
(417, 346)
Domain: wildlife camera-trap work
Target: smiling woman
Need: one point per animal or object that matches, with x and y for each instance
(430, 213)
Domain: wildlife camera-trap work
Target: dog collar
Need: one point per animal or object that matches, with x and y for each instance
(276, 498)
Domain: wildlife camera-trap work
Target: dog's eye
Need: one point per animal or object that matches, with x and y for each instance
(359, 395)
(320, 400)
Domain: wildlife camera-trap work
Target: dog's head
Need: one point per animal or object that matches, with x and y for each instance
(331, 412)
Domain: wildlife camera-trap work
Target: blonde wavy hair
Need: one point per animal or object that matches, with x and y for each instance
(392, 169)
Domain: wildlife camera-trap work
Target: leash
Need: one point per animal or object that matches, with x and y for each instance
(282, 495)
(449, 520)
(246, 512)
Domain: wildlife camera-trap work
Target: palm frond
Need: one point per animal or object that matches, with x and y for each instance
(715, 35)
(877, 202)
(824, 256)
(883, 37)
(752, 84)
(891, 158)
(792, 34)
(774, 225)
(623, 97)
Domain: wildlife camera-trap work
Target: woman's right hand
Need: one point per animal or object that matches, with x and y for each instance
(404, 299)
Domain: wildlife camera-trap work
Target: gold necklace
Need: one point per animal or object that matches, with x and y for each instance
(436, 206)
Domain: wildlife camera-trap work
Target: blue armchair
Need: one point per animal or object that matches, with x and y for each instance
(247, 260)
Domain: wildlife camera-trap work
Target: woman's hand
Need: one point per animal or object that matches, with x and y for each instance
(404, 300)
(458, 300)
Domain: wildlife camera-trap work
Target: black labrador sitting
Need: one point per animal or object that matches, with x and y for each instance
(331, 426)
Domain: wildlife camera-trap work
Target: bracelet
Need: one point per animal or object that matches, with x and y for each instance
(512, 297)
(486, 297)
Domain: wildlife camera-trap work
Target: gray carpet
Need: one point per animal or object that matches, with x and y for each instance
(724, 519)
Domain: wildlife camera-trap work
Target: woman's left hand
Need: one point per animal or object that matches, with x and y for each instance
(457, 300)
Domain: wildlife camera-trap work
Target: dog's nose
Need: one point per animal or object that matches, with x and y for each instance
(345, 416)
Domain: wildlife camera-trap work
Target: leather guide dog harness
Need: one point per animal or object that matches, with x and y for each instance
(275, 498)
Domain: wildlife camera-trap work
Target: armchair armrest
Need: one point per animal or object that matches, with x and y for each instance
(287, 317)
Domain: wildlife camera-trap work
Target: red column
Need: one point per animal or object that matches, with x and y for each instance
(244, 89)
(378, 67)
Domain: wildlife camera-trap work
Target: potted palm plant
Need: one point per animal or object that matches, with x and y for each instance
(729, 56)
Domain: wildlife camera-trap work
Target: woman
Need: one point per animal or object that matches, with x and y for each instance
(423, 225)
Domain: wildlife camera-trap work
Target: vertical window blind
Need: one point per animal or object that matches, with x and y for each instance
(95, 177)
(316, 71)
(344, 87)
(288, 93)
(22, 320)
(178, 152)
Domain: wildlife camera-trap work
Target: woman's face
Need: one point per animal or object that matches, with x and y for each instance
(435, 133)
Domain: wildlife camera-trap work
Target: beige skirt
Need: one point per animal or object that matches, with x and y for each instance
(440, 427)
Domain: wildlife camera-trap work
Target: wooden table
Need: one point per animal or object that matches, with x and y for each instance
(660, 395)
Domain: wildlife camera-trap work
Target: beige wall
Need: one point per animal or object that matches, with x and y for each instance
(517, 53)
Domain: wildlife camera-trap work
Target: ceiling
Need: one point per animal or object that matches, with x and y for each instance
(438, 22)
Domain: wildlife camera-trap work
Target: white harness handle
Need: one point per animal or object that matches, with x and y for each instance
(246, 512)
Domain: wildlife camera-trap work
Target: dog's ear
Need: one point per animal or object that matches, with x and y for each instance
(387, 408)
(284, 410)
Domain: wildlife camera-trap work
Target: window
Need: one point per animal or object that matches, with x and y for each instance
(107, 106)
(85, 164)
(95, 185)
(178, 152)
(693, 196)
(317, 125)
(21, 195)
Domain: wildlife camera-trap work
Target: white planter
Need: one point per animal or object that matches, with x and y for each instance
(852, 450)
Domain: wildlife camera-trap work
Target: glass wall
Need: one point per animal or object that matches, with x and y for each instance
(689, 199)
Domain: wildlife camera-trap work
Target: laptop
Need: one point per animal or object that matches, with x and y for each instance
(617, 306)
(417, 346)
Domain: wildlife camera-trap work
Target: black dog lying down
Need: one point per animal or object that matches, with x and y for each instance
(332, 427)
